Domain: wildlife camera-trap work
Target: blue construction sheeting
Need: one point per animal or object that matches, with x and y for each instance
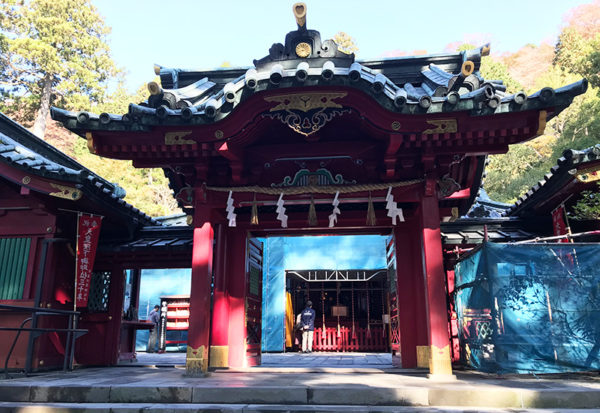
(156, 283)
(532, 308)
(309, 253)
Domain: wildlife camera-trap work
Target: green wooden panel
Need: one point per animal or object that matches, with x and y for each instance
(3, 266)
(25, 245)
(14, 255)
(255, 277)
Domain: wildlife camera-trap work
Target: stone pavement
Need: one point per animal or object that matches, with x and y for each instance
(363, 387)
(310, 362)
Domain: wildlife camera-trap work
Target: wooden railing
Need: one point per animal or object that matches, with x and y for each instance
(347, 340)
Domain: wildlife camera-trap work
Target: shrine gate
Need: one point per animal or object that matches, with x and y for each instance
(310, 141)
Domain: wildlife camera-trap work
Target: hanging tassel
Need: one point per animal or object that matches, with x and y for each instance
(371, 218)
(312, 214)
(254, 214)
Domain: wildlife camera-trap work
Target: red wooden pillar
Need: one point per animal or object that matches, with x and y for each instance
(200, 314)
(236, 287)
(411, 291)
(115, 314)
(219, 345)
(438, 348)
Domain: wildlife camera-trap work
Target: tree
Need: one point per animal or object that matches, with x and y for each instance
(585, 18)
(147, 189)
(577, 54)
(588, 206)
(529, 63)
(56, 50)
(493, 69)
(578, 46)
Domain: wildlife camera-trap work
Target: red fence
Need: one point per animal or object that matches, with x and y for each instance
(361, 340)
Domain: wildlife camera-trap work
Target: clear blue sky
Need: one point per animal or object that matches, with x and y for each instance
(204, 34)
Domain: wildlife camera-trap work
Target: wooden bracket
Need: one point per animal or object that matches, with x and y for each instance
(394, 143)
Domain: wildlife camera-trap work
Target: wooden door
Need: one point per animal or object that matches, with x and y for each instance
(392, 278)
(254, 275)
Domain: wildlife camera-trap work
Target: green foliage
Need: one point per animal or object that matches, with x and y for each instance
(65, 41)
(147, 189)
(588, 206)
(492, 69)
(465, 46)
(56, 50)
(511, 174)
(577, 54)
(118, 101)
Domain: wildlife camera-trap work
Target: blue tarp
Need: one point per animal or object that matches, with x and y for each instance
(530, 308)
(309, 253)
(280, 254)
(154, 284)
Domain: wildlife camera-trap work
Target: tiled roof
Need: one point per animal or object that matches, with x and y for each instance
(484, 207)
(20, 149)
(572, 162)
(462, 232)
(170, 239)
(408, 85)
(471, 231)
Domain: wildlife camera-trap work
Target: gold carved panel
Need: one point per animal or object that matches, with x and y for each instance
(306, 101)
(441, 126)
(65, 192)
(177, 138)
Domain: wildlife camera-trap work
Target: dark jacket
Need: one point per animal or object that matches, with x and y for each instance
(154, 317)
(308, 318)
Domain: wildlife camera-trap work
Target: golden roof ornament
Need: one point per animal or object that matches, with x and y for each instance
(299, 10)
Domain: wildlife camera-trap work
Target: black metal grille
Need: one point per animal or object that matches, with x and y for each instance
(99, 291)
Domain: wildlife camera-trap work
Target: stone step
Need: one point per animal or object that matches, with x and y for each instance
(309, 396)
(14, 407)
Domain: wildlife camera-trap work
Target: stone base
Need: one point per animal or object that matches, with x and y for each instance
(439, 361)
(423, 356)
(219, 357)
(441, 377)
(196, 362)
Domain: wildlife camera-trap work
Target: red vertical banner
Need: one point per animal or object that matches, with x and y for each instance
(88, 232)
(558, 223)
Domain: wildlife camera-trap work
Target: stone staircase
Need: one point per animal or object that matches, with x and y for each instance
(127, 390)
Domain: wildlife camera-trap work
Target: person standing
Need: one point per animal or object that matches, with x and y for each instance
(308, 327)
(154, 318)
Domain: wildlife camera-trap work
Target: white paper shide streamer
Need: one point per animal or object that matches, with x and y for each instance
(336, 211)
(392, 208)
(231, 215)
(281, 212)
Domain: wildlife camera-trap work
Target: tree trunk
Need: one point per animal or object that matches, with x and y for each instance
(39, 127)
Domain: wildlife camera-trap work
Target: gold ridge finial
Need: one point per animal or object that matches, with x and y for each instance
(300, 14)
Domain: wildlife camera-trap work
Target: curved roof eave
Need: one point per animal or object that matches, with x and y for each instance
(428, 84)
(24, 151)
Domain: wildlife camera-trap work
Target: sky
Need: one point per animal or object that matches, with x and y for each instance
(201, 34)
